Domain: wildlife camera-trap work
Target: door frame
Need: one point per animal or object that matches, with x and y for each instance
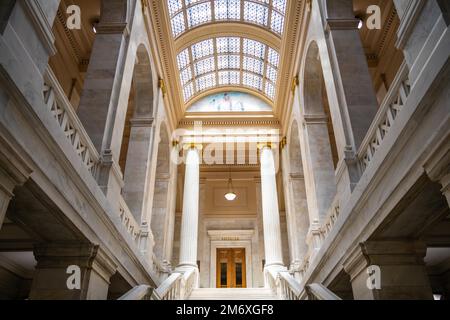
(219, 241)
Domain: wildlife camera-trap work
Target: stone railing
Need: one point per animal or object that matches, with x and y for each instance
(317, 291)
(283, 285)
(162, 269)
(178, 286)
(142, 292)
(61, 109)
(128, 220)
(384, 120)
(330, 219)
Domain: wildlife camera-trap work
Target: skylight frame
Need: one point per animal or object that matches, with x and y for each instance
(255, 66)
(187, 14)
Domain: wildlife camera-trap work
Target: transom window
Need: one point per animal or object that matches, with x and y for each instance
(228, 61)
(187, 14)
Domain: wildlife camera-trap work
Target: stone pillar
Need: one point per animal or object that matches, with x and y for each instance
(99, 99)
(355, 93)
(296, 208)
(189, 219)
(320, 177)
(397, 271)
(135, 176)
(52, 276)
(271, 215)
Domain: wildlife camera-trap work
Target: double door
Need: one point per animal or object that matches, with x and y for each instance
(231, 268)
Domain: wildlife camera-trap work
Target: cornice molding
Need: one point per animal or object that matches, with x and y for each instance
(231, 122)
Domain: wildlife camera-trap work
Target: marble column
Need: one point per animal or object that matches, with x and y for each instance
(190, 213)
(386, 270)
(53, 273)
(271, 215)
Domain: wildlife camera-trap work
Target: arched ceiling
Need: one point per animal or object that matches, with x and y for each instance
(213, 45)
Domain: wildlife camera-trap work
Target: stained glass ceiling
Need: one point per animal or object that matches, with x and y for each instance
(188, 14)
(228, 61)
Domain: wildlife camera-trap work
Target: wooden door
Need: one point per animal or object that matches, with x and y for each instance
(231, 268)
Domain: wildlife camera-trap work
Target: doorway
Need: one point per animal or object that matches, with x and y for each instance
(231, 268)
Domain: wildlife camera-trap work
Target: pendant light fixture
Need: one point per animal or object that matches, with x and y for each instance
(230, 195)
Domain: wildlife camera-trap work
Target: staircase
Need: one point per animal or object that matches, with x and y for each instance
(233, 294)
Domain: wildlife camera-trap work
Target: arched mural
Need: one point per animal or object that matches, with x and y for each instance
(230, 101)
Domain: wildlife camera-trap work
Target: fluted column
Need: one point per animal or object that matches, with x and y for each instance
(189, 219)
(271, 215)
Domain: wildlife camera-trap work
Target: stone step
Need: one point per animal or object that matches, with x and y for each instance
(232, 294)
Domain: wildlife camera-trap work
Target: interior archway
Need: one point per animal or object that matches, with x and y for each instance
(137, 134)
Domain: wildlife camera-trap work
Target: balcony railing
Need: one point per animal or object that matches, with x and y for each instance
(385, 119)
(128, 220)
(64, 114)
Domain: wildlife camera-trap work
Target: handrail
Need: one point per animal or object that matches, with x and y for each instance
(318, 291)
(178, 286)
(142, 292)
(385, 118)
(61, 109)
(284, 285)
(170, 288)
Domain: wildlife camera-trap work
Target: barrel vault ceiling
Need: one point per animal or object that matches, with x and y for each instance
(208, 46)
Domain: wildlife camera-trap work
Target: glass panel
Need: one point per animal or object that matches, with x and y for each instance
(228, 45)
(178, 25)
(186, 75)
(252, 80)
(239, 274)
(223, 274)
(279, 5)
(277, 23)
(174, 6)
(206, 82)
(227, 9)
(229, 62)
(183, 59)
(204, 66)
(270, 90)
(202, 49)
(254, 48)
(273, 57)
(253, 65)
(256, 13)
(188, 91)
(271, 74)
(198, 14)
(229, 77)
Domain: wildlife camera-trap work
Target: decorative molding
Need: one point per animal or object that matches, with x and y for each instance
(236, 122)
(42, 25)
(142, 122)
(408, 22)
(342, 24)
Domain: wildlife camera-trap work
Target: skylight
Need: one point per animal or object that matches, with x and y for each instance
(188, 14)
(228, 61)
